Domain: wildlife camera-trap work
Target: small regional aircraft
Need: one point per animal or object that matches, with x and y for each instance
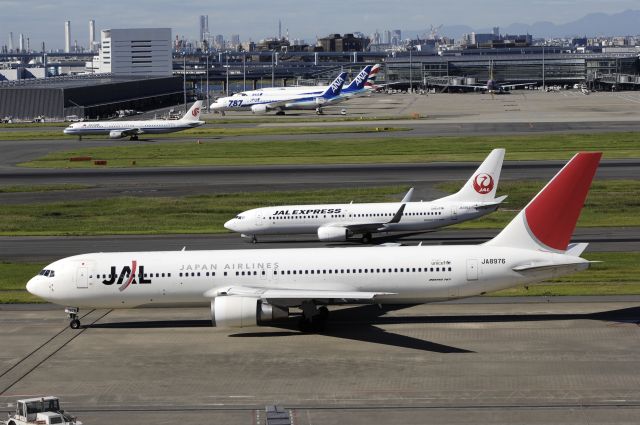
(263, 101)
(133, 129)
(341, 222)
(258, 286)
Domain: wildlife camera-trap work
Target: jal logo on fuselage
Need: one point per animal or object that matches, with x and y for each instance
(126, 272)
(483, 183)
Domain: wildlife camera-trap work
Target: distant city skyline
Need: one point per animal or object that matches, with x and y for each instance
(44, 21)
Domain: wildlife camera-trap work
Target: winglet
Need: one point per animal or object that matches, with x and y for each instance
(396, 218)
(408, 196)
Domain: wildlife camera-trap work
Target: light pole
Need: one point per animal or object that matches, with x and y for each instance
(184, 81)
(410, 70)
(543, 81)
(273, 69)
(207, 80)
(226, 57)
(244, 71)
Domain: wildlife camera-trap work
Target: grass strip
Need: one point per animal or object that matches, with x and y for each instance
(205, 132)
(42, 188)
(610, 203)
(392, 149)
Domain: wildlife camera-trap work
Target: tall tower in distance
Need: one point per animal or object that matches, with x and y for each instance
(204, 27)
(67, 36)
(10, 42)
(21, 43)
(92, 34)
(279, 29)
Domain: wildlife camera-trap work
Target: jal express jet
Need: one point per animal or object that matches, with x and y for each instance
(263, 101)
(132, 129)
(255, 287)
(341, 222)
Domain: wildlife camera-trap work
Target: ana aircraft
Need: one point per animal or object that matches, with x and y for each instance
(254, 287)
(263, 101)
(357, 87)
(341, 222)
(133, 129)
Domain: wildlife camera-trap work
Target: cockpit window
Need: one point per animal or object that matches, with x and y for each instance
(239, 217)
(47, 273)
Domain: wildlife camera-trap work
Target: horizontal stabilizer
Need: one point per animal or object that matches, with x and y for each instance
(576, 249)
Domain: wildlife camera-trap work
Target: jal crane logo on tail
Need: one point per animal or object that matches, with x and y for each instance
(483, 183)
(195, 112)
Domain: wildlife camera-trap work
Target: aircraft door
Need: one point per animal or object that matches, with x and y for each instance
(472, 269)
(82, 279)
(259, 219)
(454, 213)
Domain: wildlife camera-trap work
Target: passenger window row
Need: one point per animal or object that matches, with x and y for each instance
(139, 275)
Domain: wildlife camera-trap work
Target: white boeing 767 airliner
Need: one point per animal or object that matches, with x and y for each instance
(340, 222)
(132, 129)
(250, 287)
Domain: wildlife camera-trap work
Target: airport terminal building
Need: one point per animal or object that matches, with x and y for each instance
(533, 65)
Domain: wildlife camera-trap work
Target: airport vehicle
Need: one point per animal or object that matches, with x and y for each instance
(41, 411)
(133, 129)
(261, 102)
(342, 222)
(258, 286)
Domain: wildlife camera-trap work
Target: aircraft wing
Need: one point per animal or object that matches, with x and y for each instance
(513, 86)
(375, 227)
(290, 295)
(130, 131)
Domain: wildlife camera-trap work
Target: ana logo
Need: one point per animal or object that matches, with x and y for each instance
(195, 112)
(127, 272)
(361, 77)
(337, 83)
(483, 183)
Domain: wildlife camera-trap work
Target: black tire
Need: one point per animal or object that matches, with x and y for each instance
(74, 324)
(323, 312)
(305, 325)
(366, 238)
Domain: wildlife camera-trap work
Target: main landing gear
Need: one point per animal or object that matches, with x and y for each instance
(134, 137)
(319, 111)
(72, 312)
(313, 319)
(367, 238)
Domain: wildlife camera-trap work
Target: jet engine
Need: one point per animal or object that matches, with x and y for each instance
(115, 134)
(230, 311)
(259, 109)
(333, 234)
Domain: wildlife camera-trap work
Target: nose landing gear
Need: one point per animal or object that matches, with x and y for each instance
(72, 312)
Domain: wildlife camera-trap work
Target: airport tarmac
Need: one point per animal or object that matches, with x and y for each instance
(50, 248)
(493, 361)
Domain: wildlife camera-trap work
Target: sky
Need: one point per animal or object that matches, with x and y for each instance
(44, 20)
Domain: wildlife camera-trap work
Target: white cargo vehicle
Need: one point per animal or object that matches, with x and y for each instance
(41, 411)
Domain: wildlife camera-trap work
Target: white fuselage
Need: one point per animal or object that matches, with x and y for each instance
(183, 278)
(306, 219)
(145, 127)
(286, 100)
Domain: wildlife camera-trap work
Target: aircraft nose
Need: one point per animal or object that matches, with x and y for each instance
(34, 287)
(231, 225)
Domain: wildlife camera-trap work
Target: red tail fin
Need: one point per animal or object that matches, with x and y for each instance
(548, 221)
(553, 214)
